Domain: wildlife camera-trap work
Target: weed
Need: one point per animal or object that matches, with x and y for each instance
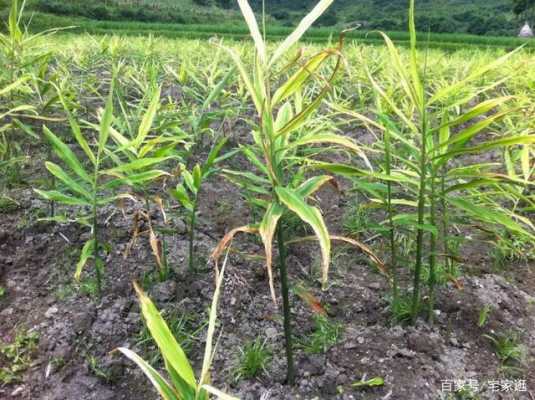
(17, 356)
(89, 287)
(57, 362)
(254, 359)
(64, 291)
(96, 369)
(325, 335)
(512, 248)
(8, 205)
(400, 309)
(484, 315)
(510, 352)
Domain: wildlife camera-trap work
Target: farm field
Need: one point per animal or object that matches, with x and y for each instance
(265, 220)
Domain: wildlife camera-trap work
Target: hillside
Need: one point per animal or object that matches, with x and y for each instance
(480, 17)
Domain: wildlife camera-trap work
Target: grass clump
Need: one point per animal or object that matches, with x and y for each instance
(325, 335)
(510, 352)
(16, 357)
(254, 359)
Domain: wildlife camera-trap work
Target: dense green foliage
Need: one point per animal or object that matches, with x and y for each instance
(524, 8)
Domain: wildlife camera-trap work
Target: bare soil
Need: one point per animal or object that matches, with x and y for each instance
(77, 331)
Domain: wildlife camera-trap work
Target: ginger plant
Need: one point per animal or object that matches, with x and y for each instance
(427, 132)
(93, 182)
(181, 383)
(187, 192)
(284, 138)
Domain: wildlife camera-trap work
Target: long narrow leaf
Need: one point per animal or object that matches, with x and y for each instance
(313, 217)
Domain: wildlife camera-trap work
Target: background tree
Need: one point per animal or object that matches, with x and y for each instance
(524, 9)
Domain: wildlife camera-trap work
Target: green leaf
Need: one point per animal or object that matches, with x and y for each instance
(480, 109)
(148, 119)
(135, 165)
(465, 135)
(525, 162)
(74, 186)
(65, 153)
(13, 86)
(297, 121)
(88, 251)
(250, 19)
(105, 122)
(350, 171)
(312, 185)
(255, 179)
(297, 80)
(444, 134)
(212, 96)
(197, 177)
(136, 179)
(26, 129)
(181, 195)
(214, 154)
(253, 92)
(160, 332)
(160, 384)
(411, 220)
(313, 217)
(189, 181)
(454, 88)
(415, 75)
(374, 382)
(303, 26)
(76, 131)
(284, 115)
(220, 395)
(509, 165)
(253, 158)
(492, 144)
(59, 197)
(333, 139)
(411, 88)
(488, 215)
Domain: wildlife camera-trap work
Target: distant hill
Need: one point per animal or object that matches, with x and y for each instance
(481, 17)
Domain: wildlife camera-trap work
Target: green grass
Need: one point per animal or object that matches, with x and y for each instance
(254, 358)
(509, 351)
(326, 334)
(16, 356)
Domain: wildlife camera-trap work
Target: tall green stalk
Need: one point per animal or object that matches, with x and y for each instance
(421, 220)
(191, 234)
(98, 262)
(390, 212)
(444, 220)
(290, 374)
(432, 251)
(419, 89)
